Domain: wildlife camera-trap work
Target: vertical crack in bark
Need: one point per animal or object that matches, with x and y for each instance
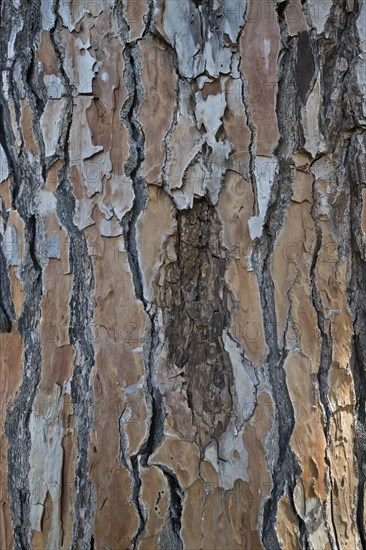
(326, 349)
(286, 468)
(7, 137)
(357, 305)
(129, 115)
(7, 312)
(17, 420)
(338, 131)
(80, 330)
(252, 128)
(326, 346)
(81, 338)
(129, 223)
(175, 508)
(24, 189)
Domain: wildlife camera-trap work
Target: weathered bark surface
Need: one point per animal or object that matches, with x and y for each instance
(183, 276)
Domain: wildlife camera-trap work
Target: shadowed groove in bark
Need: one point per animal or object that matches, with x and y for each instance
(129, 115)
(25, 187)
(326, 342)
(335, 125)
(81, 338)
(357, 304)
(17, 420)
(251, 126)
(80, 330)
(6, 137)
(7, 313)
(129, 222)
(286, 468)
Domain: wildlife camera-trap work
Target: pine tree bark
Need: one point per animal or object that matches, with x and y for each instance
(183, 276)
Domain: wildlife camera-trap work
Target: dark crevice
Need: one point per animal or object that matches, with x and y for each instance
(81, 338)
(175, 510)
(253, 134)
(287, 468)
(326, 341)
(129, 225)
(332, 506)
(155, 435)
(129, 221)
(24, 184)
(7, 137)
(359, 374)
(81, 313)
(31, 228)
(132, 170)
(7, 313)
(136, 499)
(281, 7)
(358, 309)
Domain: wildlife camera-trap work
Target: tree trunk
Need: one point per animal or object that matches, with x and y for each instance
(183, 276)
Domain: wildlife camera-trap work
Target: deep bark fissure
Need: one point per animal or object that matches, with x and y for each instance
(287, 468)
(137, 156)
(81, 313)
(17, 419)
(358, 365)
(129, 224)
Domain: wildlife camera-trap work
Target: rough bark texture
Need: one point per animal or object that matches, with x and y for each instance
(183, 276)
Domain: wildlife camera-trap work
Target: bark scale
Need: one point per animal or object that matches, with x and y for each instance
(183, 277)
